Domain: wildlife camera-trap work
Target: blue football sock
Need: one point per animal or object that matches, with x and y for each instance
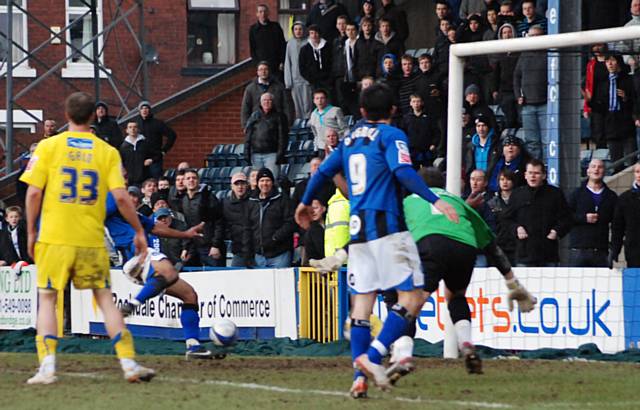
(154, 286)
(360, 340)
(190, 321)
(394, 327)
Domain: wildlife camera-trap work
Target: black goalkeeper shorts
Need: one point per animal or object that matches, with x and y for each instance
(445, 259)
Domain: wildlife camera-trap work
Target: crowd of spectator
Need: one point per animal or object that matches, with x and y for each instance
(317, 76)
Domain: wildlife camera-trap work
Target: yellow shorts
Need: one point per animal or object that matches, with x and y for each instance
(56, 264)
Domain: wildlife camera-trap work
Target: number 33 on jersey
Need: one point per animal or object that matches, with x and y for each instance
(75, 170)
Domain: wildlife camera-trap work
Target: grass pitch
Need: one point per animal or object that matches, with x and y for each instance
(95, 382)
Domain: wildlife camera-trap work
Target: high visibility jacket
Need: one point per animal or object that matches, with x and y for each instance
(336, 230)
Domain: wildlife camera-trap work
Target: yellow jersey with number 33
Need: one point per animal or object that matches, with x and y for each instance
(75, 170)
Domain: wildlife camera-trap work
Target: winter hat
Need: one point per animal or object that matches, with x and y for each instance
(265, 173)
(472, 89)
(481, 119)
(102, 104)
(143, 104)
(512, 140)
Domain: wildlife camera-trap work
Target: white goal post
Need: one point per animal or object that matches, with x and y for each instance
(457, 53)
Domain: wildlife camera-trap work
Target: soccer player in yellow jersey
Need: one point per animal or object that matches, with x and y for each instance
(69, 176)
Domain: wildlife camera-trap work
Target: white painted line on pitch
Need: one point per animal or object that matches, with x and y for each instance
(336, 393)
(278, 389)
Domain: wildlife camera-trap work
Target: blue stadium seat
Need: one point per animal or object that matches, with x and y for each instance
(350, 120)
(421, 51)
(235, 170)
(247, 170)
(411, 52)
(601, 153)
(292, 151)
(284, 169)
(305, 134)
(298, 123)
(305, 152)
(303, 173)
(170, 174)
(201, 172)
(294, 169)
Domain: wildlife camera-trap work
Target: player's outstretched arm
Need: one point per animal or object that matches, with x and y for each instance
(128, 212)
(33, 205)
(166, 232)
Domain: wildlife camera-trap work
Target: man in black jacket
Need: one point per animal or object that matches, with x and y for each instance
(136, 155)
(315, 60)
(397, 18)
(154, 131)
(235, 225)
(271, 216)
(614, 111)
(368, 51)
(541, 216)
(593, 205)
(199, 204)
(266, 136)
(106, 127)
(625, 228)
(266, 41)
(175, 249)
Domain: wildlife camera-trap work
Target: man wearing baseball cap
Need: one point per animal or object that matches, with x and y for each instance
(154, 131)
(234, 221)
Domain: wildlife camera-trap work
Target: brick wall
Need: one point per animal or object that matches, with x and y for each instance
(166, 30)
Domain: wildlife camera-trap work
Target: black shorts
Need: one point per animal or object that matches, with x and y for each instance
(445, 259)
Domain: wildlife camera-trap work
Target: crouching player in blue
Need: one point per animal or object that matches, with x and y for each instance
(156, 274)
(376, 163)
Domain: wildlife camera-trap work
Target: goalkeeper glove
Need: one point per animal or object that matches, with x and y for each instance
(330, 263)
(519, 293)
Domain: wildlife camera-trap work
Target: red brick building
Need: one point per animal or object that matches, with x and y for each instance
(192, 39)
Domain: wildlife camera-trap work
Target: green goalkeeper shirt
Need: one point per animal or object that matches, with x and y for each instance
(424, 219)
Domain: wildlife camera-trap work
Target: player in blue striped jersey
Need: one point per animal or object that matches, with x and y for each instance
(376, 163)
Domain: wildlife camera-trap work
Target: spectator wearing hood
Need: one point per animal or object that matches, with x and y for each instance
(368, 51)
(483, 148)
(501, 80)
(266, 41)
(271, 216)
(293, 80)
(264, 83)
(106, 127)
(389, 39)
(155, 131)
(315, 60)
(397, 18)
(136, 155)
(324, 14)
(513, 158)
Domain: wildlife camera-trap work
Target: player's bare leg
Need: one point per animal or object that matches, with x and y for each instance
(46, 339)
(121, 338)
(189, 318)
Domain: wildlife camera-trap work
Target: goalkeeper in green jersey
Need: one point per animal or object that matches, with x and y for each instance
(448, 252)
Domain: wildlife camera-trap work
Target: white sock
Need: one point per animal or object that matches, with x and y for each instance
(48, 364)
(463, 331)
(192, 342)
(402, 348)
(128, 364)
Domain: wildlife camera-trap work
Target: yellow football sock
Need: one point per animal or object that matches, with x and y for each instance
(123, 343)
(46, 345)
